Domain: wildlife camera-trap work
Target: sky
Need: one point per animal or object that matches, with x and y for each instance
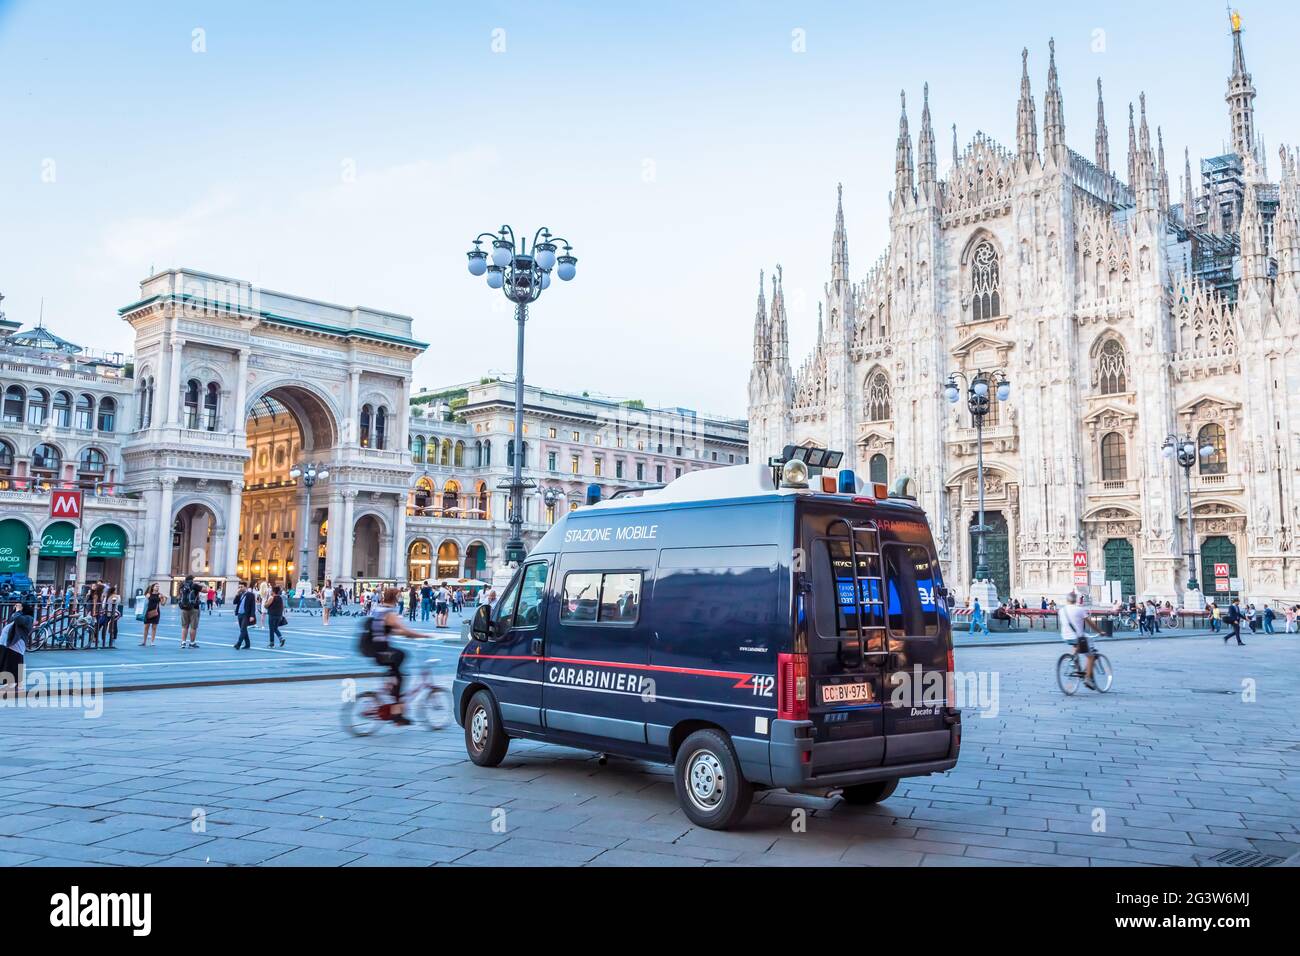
(350, 152)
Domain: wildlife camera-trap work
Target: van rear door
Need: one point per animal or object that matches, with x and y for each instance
(915, 726)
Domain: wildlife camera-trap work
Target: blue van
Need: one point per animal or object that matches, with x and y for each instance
(750, 630)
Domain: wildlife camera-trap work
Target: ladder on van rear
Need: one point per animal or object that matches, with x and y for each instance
(868, 586)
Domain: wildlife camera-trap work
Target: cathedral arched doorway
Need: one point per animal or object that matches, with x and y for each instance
(997, 551)
(194, 530)
(1217, 549)
(1117, 556)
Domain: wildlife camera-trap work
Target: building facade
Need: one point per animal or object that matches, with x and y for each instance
(1119, 315)
(186, 451)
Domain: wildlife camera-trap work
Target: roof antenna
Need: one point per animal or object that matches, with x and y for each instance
(40, 321)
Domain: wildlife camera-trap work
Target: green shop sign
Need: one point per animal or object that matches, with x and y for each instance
(107, 541)
(14, 538)
(58, 540)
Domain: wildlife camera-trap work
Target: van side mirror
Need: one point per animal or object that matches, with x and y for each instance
(481, 626)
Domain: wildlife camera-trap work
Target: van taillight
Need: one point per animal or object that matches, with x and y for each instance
(950, 681)
(792, 687)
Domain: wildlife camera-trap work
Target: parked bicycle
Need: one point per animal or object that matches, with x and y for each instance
(427, 702)
(1070, 673)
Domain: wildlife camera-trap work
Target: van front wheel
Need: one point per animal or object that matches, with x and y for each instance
(485, 740)
(868, 793)
(710, 786)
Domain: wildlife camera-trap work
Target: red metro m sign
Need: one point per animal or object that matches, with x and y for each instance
(65, 503)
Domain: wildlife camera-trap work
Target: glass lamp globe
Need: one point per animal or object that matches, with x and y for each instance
(502, 252)
(295, 472)
(546, 255)
(496, 277)
(323, 473)
(952, 393)
(1189, 450)
(477, 262)
(981, 388)
(546, 280)
(1167, 450)
(1207, 451)
(568, 267)
(1004, 391)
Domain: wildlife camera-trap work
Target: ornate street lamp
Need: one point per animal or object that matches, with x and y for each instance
(522, 276)
(552, 496)
(308, 474)
(978, 387)
(1185, 452)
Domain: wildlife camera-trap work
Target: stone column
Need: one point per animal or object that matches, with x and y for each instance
(352, 427)
(127, 584)
(334, 535)
(163, 559)
(174, 381)
(345, 539)
(158, 413)
(239, 418)
(403, 416)
(386, 550)
(33, 559)
(233, 512)
(82, 555)
(399, 568)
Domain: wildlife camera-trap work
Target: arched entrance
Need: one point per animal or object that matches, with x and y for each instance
(448, 559)
(365, 548)
(15, 537)
(476, 561)
(1217, 549)
(419, 562)
(1117, 555)
(106, 554)
(996, 550)
(193, 531)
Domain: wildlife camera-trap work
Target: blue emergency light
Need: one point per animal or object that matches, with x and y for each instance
(848, 481)
(593, 493)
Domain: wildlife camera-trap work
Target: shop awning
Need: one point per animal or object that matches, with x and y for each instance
(58, 540)
(107, 541)
(14, 539)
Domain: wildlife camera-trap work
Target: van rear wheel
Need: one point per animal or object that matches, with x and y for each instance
(710, 787)
(865, 794)
(485, 739)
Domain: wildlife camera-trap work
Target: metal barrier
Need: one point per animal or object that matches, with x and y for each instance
(56, 625)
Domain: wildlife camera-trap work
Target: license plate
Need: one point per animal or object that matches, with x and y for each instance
(845, 693)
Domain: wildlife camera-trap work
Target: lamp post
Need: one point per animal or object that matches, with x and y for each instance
(522, 275)
(308, 473)
(978, 387)
(552, 496)
(1184, 451)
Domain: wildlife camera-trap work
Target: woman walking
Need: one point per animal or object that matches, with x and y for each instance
(13, 645)
(153, 602)
(274, 616)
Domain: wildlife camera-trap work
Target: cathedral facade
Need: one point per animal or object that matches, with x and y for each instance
(1120, 318)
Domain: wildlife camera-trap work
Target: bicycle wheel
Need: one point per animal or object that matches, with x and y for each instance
(1102, 675)
(1067, 674)
(361, 716)
(434, 708)
(40, 638)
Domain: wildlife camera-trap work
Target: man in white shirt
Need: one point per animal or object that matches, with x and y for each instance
(1074, 627)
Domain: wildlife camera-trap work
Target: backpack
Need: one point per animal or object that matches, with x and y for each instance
(367, 644)
(189, 596)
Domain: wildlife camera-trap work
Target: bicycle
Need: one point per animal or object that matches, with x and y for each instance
(1070, 673)
(428, 702)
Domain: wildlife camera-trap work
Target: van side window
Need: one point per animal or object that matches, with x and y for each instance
(601, 597)
(504, 613)
(911, 577)
(532, 589)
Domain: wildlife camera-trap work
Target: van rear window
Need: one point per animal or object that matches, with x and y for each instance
(909, 577)
(601, 597)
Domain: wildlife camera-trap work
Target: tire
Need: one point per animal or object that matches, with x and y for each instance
(1102, 674)
(485, 739)
(1065, 675)
(710, 787)
(356, 717)
(434, 708)
(865, 794)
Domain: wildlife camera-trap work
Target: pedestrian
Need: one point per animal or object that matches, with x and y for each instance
(1291, 619)
(1252, 618)
(102, 617)
(263, 595)
(326, 603)
(1234, 618)
(1216, 617)
(190, 600)
(153, 602)
(114, 609)
(442, 605)
(245, 614)
(978, 619)
(426, 602)
(1268, 619)
(275, 617)
(412, 601)
(13, 645)
(212, 598)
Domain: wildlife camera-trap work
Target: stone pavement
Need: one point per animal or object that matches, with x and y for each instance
(1193, 752)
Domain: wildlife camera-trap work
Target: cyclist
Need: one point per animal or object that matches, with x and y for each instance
(1074, 627)
(382, 622)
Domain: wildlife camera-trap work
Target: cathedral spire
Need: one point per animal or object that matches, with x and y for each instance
(1162, 176)
(927, 164)
(1053, 112)
(1103, 138)
(1254, 254)
(780, 347)
(760, 325)
(1026, 124)
(840, 241)
(1241, 96)
(1189, 200)
(903, 165)
(954, 144)
(1132, 151)
(1286, 223)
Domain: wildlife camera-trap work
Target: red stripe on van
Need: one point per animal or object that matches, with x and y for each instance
(639, 667)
